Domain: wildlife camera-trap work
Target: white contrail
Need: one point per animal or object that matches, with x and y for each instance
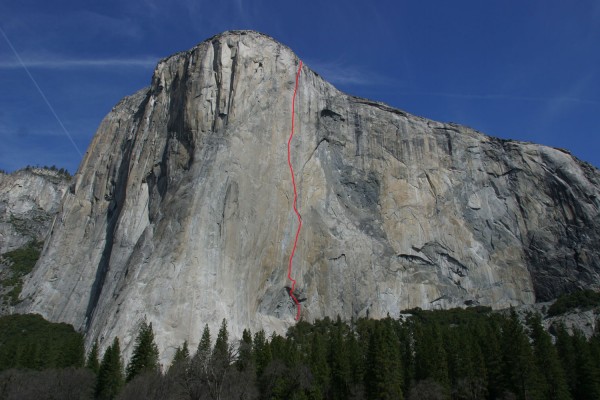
(86, 63)
(41, 92)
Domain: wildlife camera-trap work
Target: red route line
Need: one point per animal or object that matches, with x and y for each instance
(295, 201)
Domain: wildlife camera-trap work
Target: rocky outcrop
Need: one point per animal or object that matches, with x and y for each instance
(29, 200)
(181, 211)
(583, 320)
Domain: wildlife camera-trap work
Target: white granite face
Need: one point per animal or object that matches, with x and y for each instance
(181, 210)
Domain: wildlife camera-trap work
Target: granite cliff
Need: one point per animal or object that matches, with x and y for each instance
(181, 214)
(29, 200)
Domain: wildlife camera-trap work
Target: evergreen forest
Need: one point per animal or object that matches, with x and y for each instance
(453, 354)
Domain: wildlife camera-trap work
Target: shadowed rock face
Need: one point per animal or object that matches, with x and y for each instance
(29, 200)
(181, 210)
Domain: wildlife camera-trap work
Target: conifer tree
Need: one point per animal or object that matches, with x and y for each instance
(244, 380)
(430, 359)
(261, 351)
(489, 343)
(203, 352)
(92, 361)
(595, 346)
(220, 362)
(222, 354)
(197, 373)
(110, 375)
(339, 359)
(383, 377)
(568, 358)
(554, 383)
(319, 366)
(246, 358)
(182, 354)
(279, 350)
(145, 353)
(356, 357)
(71, 354)
(588, 377)
(520, 371)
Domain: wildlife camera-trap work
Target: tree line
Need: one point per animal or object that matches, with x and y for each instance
(60, 171)
(453, 354)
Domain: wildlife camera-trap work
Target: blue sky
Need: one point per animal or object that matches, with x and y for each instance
(526, 70)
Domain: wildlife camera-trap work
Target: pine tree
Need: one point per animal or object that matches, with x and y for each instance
(430, 359)
(244, 381)
(339, 359)
(554, 383)
(203, 352)
(182, 354)
(588, 379)
(222, 354)
(319, 366)
(261, 351)
(246, 358)
(568, 358)
(383, 377)
(145, 353)
(110, 375)
(356, 358)
(92, 361)
(488, 338)
(220, 362)
(72, 353)
(595, 346)
(520, 371)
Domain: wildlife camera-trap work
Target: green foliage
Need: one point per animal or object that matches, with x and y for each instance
(182, 354)
(261, 351)
(582, 300)
(245, 359)
(29, 341)
(93, 362)
(21, 261)
(145, 353)
(340, 361)
(319, 365)
(431, 360)
(520, 373)
(222, 352)
(587, 384)
(457, 354)
(203, 353)
(110, 375)
(553, 383)
(383, 377)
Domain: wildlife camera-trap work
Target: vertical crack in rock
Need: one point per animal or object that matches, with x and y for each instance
(180, 136)
(358, 133)
(225, 79)
(234, 65)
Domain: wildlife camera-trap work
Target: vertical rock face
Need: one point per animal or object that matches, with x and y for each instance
(181, 211)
